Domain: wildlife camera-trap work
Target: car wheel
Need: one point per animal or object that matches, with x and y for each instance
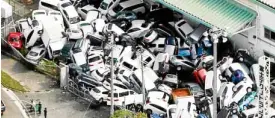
(100, 100)
(132, 107)
(179, 68)
(249, 89)
(139, 108)
(149, 111)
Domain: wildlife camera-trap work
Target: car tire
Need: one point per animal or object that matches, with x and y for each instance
(249, 89)
(132, 107)
(139, 108)
(100, 100)
(149, 111)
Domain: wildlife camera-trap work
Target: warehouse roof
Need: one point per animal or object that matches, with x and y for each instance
(227, 15)
(270, 3)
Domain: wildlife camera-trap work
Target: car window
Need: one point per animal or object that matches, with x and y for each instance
(33, 53)
(121, 86)
(42, 51)
(148, 59)
(123, 94)
(224, 91)
(96, 90)
(121, 71)
(273, 84)
(84, 10)
(159, 107)
(103, 5)
(127, 65)
(161, 45)
(184, 35)
(132, 92)
(117, 8)
(152, 45)
(94, 59)
(30, 35)
(97, 72)
(110, 4)
(133, 30)
(115, 95)
(64, 5)
(49, 6)
(238, 89)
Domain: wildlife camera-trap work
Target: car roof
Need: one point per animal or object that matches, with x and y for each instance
(101, 88)
(71, 11)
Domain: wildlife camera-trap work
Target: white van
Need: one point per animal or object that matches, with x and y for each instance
(69, 13)
(149, 76)
(125, 97)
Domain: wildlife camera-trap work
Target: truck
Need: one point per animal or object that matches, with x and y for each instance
(180, 93)
(53, 36)
(184, 108)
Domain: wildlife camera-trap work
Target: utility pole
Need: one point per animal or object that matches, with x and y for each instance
(111, 36)
(142, 75)
(215, 33)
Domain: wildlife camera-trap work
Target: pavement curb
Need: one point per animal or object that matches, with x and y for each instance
(16, 100)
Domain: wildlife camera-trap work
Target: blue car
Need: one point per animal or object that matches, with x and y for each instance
(237, 76)
(246, 100)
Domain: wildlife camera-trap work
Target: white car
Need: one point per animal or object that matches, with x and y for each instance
(182, 63)
(117, 84)
(98, 26)
(195, 89)
(138, 27)
(110, 27)
(171, 80)
(240, 90)
(36, 53)
(69, 14)
(106, 5)
(100, 73)
(86, 28)
(95, 62)
(100, 93)
(57, 16)
(183, 29)
(157, 45)
(159, 95)
(83, 11)
(225, 94)
(39, 15)
(74, 33)
(127, 5)
(165, 88)
(150, 36)
(225, 63)
(205, 62)
(93, 15)
(209, 80)
(154, 105)
(125, 97)
(160, 58)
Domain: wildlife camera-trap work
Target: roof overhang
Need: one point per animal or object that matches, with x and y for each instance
(229, 16)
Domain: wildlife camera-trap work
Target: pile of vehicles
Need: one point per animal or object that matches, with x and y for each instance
(174, 58)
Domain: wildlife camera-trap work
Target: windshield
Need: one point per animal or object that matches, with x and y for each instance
(96, 90)
(117, 8)
(33, 53)
(103, 5)
(84, 24)
(74, 20)
(94, 59)
(66, 4)
(115, 95)
(38, 13)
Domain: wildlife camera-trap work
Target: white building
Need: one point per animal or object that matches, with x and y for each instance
(264, 30)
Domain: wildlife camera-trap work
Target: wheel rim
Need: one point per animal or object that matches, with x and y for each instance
(100, 100)
(178, 68)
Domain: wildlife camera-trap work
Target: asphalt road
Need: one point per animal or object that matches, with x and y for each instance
(12, 111)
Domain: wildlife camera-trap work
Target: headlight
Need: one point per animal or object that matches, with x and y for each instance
(40, 32)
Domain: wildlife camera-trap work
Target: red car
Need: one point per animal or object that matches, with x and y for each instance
(200, 75)
(15, 39)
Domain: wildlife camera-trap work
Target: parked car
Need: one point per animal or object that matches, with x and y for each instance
(129, 5)
(49, 5)
(157, 45)
(83, 11)
(240, 90)
(57, 16)
(165, 88)
(15, 39)
(95, 62)
(74, 34)
(182, 63)
(246, 100)
(39, 15)
(200, 76)
(36, 54)
(85, 28)
(225, 94)
(205, 62)
(171, 80)
(3, 107)
(138, 27)
(100, 93)
(100, 73)
(69, 14)
(154, 105)
(160, 58)
(93, 15)
(159, 95)
(195, 89)
(98, 26)
(183, 29)
(129, 15)
(125, 97)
